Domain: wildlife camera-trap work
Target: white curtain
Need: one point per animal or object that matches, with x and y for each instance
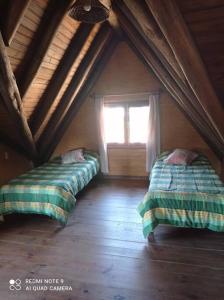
(153, 141)
(99, 105)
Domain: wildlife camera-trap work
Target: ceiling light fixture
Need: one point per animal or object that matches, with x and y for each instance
(90, 11)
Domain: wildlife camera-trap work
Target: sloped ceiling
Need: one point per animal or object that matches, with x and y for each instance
(56, 61)
(205, 20)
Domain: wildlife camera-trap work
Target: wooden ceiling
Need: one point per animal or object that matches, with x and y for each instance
(53, 58)
(50, 62)
(205, 20)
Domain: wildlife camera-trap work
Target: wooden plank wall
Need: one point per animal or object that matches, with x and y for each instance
(12, 163)
(127, 162)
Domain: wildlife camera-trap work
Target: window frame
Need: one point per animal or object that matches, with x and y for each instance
(126, 105)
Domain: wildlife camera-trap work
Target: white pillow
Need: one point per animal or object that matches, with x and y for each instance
(181, 157)
(73, 156)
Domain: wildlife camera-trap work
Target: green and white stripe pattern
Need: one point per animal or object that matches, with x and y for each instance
(185, 196)
(49, 189)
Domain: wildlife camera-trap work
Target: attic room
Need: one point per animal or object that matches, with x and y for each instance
(111, 149)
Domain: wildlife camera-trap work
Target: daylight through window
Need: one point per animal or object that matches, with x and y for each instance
(126, 124)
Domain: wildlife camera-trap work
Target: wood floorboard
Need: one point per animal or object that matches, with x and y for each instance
(102, 254)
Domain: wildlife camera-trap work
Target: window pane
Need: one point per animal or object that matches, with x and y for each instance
(114, 124)
(138, 124)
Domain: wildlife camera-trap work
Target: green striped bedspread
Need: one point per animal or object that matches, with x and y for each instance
(184, 196)
(49, 189)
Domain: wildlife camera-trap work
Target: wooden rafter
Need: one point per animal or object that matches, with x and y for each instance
(196, 123)
(147, 28)
(59, 76)
(41, 42)
(75, 85)
(150, 60)
(10, 95)
(169, 17)
(82, 95)
(11, 16)
(150, 31)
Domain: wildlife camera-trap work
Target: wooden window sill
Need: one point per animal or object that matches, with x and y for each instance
(126, 146)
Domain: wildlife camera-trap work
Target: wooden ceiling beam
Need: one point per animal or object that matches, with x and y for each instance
(10, 95)
(11, 16)
(82, 95)
(152, 40)
(168, 17)
(74, 86)
(59, 76)
(121, 8)
(152, 62)
(150, 31)
(51, 19)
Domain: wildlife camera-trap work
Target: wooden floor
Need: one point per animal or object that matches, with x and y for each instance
(102, 254)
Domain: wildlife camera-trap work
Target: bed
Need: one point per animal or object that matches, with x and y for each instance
(183, 196)
(49, 189)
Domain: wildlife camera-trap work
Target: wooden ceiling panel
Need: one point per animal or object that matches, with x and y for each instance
(194, 5)
(70, 75)
(205, 14)
(23, 36)
(50, 62)
(73, 52)
(205, 20)
(77, 63)
(100, 53)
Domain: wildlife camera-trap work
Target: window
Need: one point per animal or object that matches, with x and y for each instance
(126, 123)
(114, 124)
(138, 124)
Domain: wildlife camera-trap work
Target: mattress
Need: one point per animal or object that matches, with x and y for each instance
(49, 189)
(184, 196)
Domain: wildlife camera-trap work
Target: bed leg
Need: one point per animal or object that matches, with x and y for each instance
(151, 237)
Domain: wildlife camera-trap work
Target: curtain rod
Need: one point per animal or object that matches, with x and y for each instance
(156, 92)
